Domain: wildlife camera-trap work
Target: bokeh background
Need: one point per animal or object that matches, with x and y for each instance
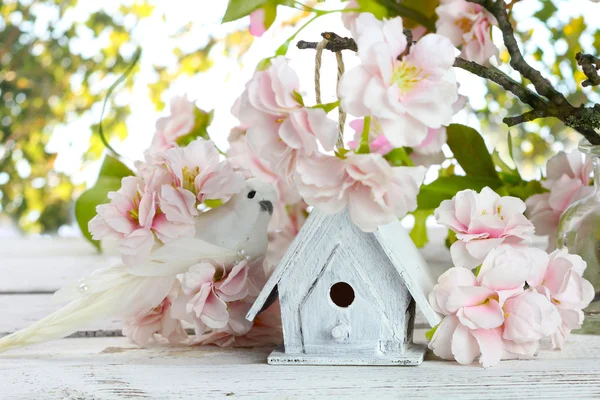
(58, 58)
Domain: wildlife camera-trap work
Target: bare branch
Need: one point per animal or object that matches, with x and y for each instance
(500, 78)
(525, 117)
(590, 66)
(336, 43)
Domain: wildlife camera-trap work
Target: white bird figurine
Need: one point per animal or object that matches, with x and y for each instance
(237, 230)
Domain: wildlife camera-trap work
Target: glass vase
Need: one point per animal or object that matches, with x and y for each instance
(579, 233)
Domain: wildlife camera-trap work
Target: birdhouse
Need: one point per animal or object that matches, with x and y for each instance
(348, 296)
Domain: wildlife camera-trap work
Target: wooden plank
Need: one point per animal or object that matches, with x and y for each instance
(45, 264)
(18, 311)
(112, 368)
(44, 246)
(46, 274)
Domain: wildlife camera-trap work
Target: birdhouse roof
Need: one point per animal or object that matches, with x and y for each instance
(395, 243)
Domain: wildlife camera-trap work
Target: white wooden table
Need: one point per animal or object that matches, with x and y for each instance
(99, 364)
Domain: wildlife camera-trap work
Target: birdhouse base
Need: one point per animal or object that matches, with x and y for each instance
(412, 356)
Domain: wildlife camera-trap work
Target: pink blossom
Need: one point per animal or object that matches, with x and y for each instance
(205, 306)
(568, 180)
(429, 151)
(530, 316)
(483, 221)
(374, 192)
(574, 164)
(242, 156)
(447, 282)
(197, 169)
(278, 127)
(468, 25)
(491, 316)
(348, 17)
(209, 292)
(133, 216)
(265, 330)
(507, 267)
(180, 122)
(141, 328)
(562, 281)
(257, 22)
(433, 142)
(407, 96)
(454, 341)
(239, 288)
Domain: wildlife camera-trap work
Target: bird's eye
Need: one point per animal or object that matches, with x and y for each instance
(251, 194)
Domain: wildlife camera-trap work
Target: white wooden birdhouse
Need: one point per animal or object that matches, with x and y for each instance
(347, 296)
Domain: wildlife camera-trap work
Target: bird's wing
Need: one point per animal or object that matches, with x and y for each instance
(167, 261)
(178, 256)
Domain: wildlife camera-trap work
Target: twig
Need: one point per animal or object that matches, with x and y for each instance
(590, 66)
(500, 78)
(336, 43)
(525, 117)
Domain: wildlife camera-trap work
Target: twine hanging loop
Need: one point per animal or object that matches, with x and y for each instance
(340, 71)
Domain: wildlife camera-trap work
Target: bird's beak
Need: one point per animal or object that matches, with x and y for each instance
(266, 205)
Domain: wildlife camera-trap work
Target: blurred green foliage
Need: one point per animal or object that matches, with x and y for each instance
(43, 84)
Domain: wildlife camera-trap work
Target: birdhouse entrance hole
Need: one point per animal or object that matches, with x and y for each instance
(341, 294)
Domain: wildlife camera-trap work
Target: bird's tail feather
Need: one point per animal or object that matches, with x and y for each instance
(122, 295)
(119, 291)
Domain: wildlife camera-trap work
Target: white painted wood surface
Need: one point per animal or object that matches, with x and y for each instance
(113, 368)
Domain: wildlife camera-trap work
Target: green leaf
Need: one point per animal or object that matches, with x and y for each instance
(237, 9)
(112, 167)
(341, 153)
(399, 157)
(470, 151)
(451, 238)
(85, 206)
(363, 147)
(109, 180)
(372, 6)
(200, 129)
(429, 334)
(270, 14)
(282, 50)
(526, 190)
(477, 270)
(299, 99)
(444, 188)
(213, 203)
(327, 107)
(510, 148)
(418, 233)
(499, 162)
(264, 64)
